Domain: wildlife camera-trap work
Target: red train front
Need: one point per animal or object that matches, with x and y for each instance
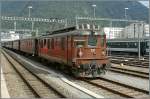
(81, 51)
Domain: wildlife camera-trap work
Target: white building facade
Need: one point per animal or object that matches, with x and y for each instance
(136, 30)
(113, 32)
(133, 30)
(11, 35)
(146, 30)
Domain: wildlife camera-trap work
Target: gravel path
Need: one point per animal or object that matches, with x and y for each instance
(16, 87)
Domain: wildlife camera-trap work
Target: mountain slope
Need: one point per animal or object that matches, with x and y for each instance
(70, 9)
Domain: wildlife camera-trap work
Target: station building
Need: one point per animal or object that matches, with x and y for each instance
(133, 30)
(9, 36)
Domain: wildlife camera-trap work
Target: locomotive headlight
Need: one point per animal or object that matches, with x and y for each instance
(80, 53)
(93, 50)
(103, 53)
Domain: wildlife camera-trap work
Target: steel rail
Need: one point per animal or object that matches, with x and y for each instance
(130, 72)
(117, 91)
(40, 79)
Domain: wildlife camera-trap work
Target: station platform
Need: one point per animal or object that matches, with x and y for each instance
(4, 90)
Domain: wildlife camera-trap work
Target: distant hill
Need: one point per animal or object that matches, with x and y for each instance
(70, 9)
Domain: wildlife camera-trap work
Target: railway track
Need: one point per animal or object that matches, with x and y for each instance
(136, 92)
(130, 72)
(130, 57)
(130, 62)
(65, 93)
(39, 87)
(117, 88)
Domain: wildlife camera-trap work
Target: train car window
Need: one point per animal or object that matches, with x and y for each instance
(29, 43)
(57, 42)
(41, 43)
(128, 44)
(80, 26)
(63, 43)
(79, 43)
(92, 41)
(147, 44)
(85, 26)
(48, 44)
(52, 43)
(135, 44)
(44, 42)
(102, 41)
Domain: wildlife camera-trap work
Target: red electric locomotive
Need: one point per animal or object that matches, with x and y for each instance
(81, 49)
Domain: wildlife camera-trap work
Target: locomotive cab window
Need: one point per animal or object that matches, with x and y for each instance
(102, 41)
(92, 41)
(79, 43)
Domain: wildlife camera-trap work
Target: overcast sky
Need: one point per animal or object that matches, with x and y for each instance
(146, 3)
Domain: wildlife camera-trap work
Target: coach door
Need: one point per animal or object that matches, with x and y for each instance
(69, 49)
(79, 45)
(36, 47)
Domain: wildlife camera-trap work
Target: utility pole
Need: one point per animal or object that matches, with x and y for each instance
(125, 12)
(94, 6)
(32, 25)
(37, 32)
(0, 30)
(66, 23)
(15, 26)
(110, 25)
(139, 45)
(76, 18)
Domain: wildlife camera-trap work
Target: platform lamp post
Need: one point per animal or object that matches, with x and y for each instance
(29, 7)
(15, 26)
(125, 12)
(94, 6)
